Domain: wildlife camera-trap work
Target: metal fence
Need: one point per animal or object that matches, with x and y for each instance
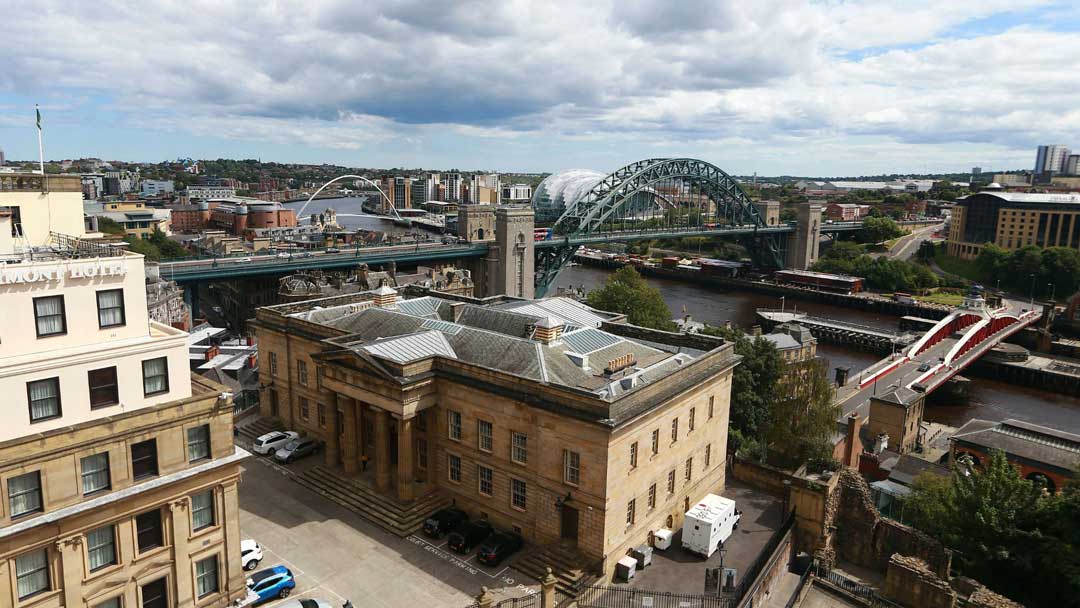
(864, 592)
(623, 597)
(766, 558)
(525, 601)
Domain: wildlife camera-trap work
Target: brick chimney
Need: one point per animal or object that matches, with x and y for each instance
(852, 443)
(548, 330)
(755, 330)
(385, 297)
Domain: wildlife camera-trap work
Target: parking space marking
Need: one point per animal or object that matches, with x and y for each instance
(446, 555)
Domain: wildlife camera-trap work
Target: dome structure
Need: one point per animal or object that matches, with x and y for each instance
(560, 189)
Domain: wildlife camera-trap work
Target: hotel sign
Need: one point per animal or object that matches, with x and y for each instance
(49, 274)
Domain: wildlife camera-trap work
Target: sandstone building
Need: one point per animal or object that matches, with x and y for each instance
(118, 472)
(544, 416)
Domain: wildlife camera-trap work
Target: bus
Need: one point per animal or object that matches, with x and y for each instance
(542, 234)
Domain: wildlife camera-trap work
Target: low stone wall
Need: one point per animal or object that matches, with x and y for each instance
(761, 476)
(910, 582)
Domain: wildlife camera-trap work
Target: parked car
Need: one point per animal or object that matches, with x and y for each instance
(469, 535)
(270, 442)
(250, 554)
(444, 521)
(297, 448)
(272, 582)
(498, 547)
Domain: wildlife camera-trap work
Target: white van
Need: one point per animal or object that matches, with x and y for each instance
(708, 524)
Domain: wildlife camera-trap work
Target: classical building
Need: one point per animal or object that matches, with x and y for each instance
(1041, 454)
(117, 468)
(1013, 220)
(543, 416)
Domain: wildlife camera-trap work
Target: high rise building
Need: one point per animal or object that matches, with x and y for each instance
(484, 188)
(1051, 159)
(976, 170)
(433, 187)
(119, 470)
(398, 189)
(1, 158)
(1072, 164)
(451, 187)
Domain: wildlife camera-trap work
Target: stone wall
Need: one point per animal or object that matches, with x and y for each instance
(910, 582)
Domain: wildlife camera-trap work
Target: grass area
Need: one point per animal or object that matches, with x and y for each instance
(948, 299)
(957, 266)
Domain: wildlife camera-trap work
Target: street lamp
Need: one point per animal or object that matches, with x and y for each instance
(782, 298)
(1053, 290)
(1032, 290)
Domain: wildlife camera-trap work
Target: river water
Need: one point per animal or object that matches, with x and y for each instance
(987, 399)
(351, 215)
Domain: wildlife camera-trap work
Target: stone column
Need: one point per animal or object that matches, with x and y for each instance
(332, 426)
(71, 566)
(180, 530)
(382, 449)
(348, 450)
(404, 459)
(547, 589)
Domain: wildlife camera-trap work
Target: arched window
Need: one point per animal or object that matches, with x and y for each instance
(479, 234)
(1042, 481)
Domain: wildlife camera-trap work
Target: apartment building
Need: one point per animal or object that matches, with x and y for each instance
(1013, 220)
(135, 217)
(546, 417)
(118, 474)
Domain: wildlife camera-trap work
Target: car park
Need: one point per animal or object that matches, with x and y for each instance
(270, 442)
(297, 448)
(250, 554)
(444, 521)
(469, 535)
(270, 583)
(306, 603)
(498, 547)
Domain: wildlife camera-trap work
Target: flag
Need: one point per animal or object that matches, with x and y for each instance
(37, 110)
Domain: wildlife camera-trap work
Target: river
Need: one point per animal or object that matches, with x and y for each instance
(350, 214)
(988, 399)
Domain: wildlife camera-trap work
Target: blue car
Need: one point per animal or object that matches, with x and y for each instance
(271, 583)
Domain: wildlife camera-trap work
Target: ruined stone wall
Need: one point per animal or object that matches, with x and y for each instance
(910, 582)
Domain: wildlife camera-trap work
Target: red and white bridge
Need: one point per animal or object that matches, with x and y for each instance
(951, 345)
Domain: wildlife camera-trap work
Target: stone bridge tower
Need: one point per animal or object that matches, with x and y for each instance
(802, 250)
(508, 267)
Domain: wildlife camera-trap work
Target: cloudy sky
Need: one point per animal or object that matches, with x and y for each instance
(810, 88)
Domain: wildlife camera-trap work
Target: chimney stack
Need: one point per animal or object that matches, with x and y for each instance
(385, 297)
(548, 330)
(755, 330)
(853, 443)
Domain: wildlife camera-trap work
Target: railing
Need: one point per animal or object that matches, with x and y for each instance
(525, 601)
(624, 597)
(863, 592)
(766, 558)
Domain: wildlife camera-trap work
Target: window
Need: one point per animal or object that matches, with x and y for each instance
(518, 494)
(571, 467)
(484, 476)
(32, 573)
(111, 603)
(322, 414)
(708, 455)
(206, 576)
(110, 308)
(273, 363)
(689, 468)
(24, 494)
(631, 514)
(671, 481)
(305, 409)
(155, 373)
(301, 372)
(103, 387)
(44, 398)
(101, 547)
(144, 459)
(453, 423)
(519, 447)
(421, 453)
(198, 443)
(652, 496)
(633, 455)
(421, 422)
(453, 468)
(202, 510)
(148, 530)
(656, 442)
(690, 422)
(483, 431)
(49, 316)
(674, 430)
(712, 399)
(95, 473)
(155, 594)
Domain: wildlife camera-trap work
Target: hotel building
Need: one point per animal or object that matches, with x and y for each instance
(1013, 220)
(118, 473)
(545, 417)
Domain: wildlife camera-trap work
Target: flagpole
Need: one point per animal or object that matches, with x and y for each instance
(41, 149)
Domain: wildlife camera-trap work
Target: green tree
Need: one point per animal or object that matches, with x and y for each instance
(991, 263)
(753, 383)
(109, 226)
(627, 292)
(144, 247)
(802, 413)
(880, 229)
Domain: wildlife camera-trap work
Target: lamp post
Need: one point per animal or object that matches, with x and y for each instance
(1053, 290)
(782, 299)
(1033, 291)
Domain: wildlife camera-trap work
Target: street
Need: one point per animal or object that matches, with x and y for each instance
(335, 555)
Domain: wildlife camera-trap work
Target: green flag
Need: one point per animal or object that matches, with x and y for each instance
(37, 110)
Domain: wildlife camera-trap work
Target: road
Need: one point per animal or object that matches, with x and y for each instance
(909, 244)
(336, 555)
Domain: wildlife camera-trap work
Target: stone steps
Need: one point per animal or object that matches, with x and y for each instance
(570, 567)
(256, 427)
(401, 519)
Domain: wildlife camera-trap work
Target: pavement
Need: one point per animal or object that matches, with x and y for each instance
(907, 245)
(336, 555)
(679, 571)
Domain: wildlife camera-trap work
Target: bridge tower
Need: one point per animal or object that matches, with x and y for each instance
(802, 250)
(514, 251)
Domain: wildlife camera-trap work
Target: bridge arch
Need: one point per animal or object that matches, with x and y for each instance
(300, 214)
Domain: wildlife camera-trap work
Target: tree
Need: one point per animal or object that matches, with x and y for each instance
(753, 383)
(627, 292)
(880, 229)
(991, 262)
(109, 226)
(802, 413)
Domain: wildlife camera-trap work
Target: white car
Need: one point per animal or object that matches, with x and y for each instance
(250, 554)
(269, 443)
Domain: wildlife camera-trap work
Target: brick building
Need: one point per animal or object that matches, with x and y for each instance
(846, 212)
(1041, 453)
(545, 417)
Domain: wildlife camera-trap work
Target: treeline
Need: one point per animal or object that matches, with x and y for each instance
(1053, 271)
(879, 272)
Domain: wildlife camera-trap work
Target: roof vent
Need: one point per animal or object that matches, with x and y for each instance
(548, 330)
(385, 297)
(628, 382)
(579, 359)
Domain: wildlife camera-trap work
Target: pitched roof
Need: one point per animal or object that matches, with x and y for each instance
(1024, 440)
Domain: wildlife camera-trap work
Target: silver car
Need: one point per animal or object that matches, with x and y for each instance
(270, 442)
(296, 448)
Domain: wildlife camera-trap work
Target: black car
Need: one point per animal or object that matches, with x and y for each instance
(469, 534)
(498, 547)
(443, 521)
